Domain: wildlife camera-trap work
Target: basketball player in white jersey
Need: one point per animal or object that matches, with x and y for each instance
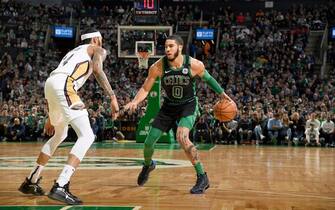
(66, 107)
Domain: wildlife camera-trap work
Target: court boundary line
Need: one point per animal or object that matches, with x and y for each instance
(212, 147)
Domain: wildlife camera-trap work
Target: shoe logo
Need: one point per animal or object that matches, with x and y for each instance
(67, 197)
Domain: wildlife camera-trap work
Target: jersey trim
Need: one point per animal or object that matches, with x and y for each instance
(70, 93)
(80, 70)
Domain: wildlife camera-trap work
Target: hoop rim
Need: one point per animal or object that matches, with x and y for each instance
(143, 59)
(143, 54)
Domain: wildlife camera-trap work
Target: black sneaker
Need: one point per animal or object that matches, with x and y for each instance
(201, 185)
(63, 194)
(144, 175)
(27, 187)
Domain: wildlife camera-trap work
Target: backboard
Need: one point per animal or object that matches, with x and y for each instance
(132, 38)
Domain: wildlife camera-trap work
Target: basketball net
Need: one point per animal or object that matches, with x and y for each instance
(143, 58)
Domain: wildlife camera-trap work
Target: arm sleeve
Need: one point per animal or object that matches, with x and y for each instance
(213, 84)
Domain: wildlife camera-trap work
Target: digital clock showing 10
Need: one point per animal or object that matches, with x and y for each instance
(146, 4)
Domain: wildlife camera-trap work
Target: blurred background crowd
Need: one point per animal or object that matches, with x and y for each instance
(261, 59)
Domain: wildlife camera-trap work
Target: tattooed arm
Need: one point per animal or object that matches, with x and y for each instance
(98, 58)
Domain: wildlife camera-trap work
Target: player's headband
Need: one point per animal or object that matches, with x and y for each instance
(90, 35)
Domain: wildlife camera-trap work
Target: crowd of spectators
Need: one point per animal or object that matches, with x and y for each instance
(260, 61)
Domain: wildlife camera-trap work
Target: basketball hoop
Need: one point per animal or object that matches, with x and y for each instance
(143, 58)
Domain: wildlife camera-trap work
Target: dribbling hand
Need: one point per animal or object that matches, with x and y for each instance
(224, 96)
(131, 106)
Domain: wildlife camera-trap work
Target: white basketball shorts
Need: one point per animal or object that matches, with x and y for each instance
(61, 97)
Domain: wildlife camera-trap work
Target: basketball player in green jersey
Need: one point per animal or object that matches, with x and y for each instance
(177, 73)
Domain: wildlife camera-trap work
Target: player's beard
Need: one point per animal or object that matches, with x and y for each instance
(174, 56)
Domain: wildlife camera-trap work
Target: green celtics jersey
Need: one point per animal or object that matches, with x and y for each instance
(178, 84)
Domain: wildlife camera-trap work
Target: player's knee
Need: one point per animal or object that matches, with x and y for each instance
(148, 144)
(183, 137)
(150, 140)
(83, 144)
(48, 149)
(90, 136)
(51, 145)
(153, 136)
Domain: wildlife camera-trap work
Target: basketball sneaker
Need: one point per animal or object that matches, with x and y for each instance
(201, 185)
(27, 187)
(63, 194)
(144, 175)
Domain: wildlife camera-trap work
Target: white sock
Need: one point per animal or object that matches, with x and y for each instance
(65, 176)
(35, 173)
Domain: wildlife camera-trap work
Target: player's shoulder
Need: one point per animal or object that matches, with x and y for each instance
(158, 64)
(157, 68)
(95, 50)
(196, 64)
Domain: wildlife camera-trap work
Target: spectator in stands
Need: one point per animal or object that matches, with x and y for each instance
(313, 120)
(240, 19)
(202, 131)
(244, 128)
(328, 131)
(4, 122)
(257, 125)
(230, 131)
(274, 126)
(297, 128)
(16, 130)
(31, 124)
(312, 134)
(286, 132)
(312, 130)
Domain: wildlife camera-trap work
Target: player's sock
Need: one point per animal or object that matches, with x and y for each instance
(153, 135)
(65, 176)
(199, 168)
(35, 173)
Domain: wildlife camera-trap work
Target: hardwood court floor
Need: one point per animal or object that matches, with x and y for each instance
(241, 177)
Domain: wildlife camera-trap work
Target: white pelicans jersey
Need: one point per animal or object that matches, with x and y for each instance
(75, 64)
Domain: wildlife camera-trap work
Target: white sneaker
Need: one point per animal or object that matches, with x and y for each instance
(262, 137)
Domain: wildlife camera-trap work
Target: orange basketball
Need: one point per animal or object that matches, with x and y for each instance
(225, 110)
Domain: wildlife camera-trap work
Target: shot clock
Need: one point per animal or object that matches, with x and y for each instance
(146, 12)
